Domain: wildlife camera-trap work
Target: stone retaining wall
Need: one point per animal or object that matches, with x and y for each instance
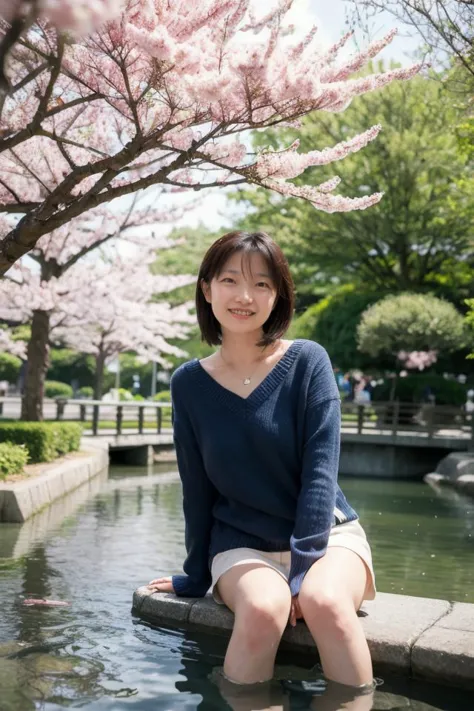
(420, 637)
(21, 499)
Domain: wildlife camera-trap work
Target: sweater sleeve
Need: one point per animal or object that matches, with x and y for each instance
(320, 464)
(199, 496)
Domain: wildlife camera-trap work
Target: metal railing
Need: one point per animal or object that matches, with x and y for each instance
(395, 418)
(135, 409)
(148, 416)
(402, 418)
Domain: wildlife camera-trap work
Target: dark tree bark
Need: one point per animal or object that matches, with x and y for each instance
(99, 376)
(38, 363)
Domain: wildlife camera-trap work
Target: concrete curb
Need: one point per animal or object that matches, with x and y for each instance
(418, 637)
(20, 500)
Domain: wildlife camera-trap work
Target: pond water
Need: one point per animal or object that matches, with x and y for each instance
(97, 545)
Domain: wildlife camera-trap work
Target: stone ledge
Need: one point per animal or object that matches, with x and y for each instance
(21, 499)
(420, 637)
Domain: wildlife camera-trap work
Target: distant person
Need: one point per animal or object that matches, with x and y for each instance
(428, 395)
(469, 405)
(257, 434)
(346, 387)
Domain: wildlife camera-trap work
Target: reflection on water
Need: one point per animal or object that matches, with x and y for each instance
(120, 532)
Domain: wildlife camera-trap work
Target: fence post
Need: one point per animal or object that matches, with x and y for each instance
(60, 405)
(141, 411)
(360, 418)
(82, 416)
(158, 419)
(119, 418)
(1, 407)
(396, 417)
(95, 419)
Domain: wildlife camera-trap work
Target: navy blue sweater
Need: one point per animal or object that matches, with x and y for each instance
(259, 472)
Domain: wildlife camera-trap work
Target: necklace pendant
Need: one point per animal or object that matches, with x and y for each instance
(246, 381)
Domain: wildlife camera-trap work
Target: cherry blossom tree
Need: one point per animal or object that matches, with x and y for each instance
(115, 314)
(37, 294)
(160, 96)
(17, 16)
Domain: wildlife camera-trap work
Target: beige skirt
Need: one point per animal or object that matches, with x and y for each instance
(347, 535)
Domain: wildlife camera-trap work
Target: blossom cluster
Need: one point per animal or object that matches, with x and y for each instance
(159, 96)
(417, 359)
(104, 307)
(8, 345)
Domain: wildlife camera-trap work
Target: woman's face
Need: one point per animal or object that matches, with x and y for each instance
(243, 294)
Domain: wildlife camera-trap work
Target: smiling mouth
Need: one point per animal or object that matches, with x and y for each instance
(241, 312)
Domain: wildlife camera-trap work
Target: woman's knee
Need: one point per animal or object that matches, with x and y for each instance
(263, 618)
(327, 608)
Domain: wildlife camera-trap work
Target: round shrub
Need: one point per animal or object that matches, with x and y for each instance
(163, 396)
(333, 322)
(86, 391)
(9, 367)
(53, 388)
(410, 322)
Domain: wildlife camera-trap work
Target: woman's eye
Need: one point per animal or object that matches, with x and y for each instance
(227, 279)
(263, 283)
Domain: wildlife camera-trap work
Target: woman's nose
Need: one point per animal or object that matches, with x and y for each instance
(245, 294)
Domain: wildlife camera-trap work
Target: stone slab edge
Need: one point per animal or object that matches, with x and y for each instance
(414, 636)
(22, 499)
(446, 649)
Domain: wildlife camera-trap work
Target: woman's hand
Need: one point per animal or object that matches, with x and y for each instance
(295, 611)
(162, 585)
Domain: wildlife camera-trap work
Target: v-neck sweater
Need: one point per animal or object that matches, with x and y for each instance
(259, 472)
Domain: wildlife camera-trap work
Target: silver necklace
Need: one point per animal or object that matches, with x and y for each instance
(248, 379)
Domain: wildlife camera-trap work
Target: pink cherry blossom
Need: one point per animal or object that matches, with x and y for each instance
(8, 345)
(418, 359)
(159, 96)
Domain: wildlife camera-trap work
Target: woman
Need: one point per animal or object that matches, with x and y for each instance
(257, 434)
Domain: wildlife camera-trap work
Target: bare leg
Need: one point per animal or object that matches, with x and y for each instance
(260, 599)
(331, 593)
(252, 697)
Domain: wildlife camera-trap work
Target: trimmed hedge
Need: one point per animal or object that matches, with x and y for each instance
(53, 388)
(13, 458)
(45, 441)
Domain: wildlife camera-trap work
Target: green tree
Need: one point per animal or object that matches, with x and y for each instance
(333, 322)
(185, 258)
(410, 323)
(418, 234)
(470, 325)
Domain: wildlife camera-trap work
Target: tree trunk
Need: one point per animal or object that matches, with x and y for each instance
(37, 366)
(99, 376)
(393, 388)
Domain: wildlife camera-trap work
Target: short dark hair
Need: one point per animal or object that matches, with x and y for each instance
(214, 260)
